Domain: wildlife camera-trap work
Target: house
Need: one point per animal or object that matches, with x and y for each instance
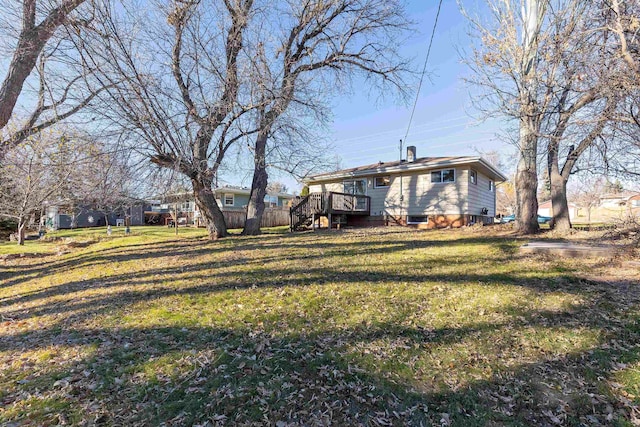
(161, 210)
(232, 201)
(427, 192)
(235, 198)
(61, 215)
(545, 209)
(617, 206)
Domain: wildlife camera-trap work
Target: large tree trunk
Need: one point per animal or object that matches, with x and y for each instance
(559, 204)
(209, 209)
(527, 180)
(20, 235)
(527, 173)
(255, 208)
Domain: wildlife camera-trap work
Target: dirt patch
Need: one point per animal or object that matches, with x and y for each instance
(9, 257)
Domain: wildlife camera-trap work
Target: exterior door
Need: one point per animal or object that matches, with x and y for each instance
(357, 187)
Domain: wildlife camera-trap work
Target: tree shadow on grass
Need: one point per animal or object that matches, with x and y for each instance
(116, 291)
(253, 373)
(185, 375)
(301, 249)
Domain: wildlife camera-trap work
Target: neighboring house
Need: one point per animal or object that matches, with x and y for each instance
(616, 200)
(545, 209)
(161, 211)
(617, 206)
(231, 200)
(428, 192)
(235, 198)
(62, 216)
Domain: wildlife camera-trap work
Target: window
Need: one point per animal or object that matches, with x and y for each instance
(473, 177)
(228, 199)
(271, 201)
(381, 181)
(491, 186)
(446, 175)
(635, 203)
(417, 219)
(358, 186)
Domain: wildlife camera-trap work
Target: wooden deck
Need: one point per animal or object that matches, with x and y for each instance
(328, 204)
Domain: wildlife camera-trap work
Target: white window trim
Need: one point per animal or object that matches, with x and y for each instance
(455, 176)
(381, 186)
(416, 222)
(233, 199)
(366, 187)
(492, 186)
(471, 172)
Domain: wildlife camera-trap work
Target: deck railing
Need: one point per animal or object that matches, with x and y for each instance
(328, 203)
(343, 203)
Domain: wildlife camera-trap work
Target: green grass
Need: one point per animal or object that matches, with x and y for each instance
(363, 327)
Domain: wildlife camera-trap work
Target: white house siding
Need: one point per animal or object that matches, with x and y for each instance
(481, 197)
(421, 196)
(336, 187)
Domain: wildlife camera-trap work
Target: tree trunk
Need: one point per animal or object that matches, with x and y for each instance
(533, 12)
(20, 234)
(527, 180)
(30, 43)
(255, 208)
(209, 209)
(559, 204)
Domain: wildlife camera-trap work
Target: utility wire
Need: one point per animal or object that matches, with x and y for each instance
(424, 70)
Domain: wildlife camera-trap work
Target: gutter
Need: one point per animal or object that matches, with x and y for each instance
(407, 167)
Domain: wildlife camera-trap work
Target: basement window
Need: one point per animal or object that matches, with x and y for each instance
(417, 219)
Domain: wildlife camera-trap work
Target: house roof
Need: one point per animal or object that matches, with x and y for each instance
(422, 163)
(625, 195)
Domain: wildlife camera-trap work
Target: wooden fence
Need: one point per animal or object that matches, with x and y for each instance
(272, 217)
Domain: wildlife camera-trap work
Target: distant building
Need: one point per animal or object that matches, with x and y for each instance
(230, 198)
(545, 209)
(61, 215)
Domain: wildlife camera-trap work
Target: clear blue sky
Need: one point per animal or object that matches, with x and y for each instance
(367, 130)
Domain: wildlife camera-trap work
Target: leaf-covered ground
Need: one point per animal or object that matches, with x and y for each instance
(361, 327)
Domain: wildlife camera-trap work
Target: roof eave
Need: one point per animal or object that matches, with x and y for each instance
(404, 167)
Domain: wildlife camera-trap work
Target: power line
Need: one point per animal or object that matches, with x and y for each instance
(424, 70)
(414, 134)
(385, 134)
(448, 144)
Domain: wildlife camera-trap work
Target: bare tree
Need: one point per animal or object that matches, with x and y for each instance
(506, 67)
(584, 96)
(27, 178)
(326, 43)
(31, 40)
(566, 102)
(182, 67)
(64, 89)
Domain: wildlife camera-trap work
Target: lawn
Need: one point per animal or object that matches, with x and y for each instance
(358, 327)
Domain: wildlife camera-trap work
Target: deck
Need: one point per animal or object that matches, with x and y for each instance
(328, 204)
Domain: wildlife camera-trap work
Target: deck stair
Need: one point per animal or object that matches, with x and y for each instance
(328, 204)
